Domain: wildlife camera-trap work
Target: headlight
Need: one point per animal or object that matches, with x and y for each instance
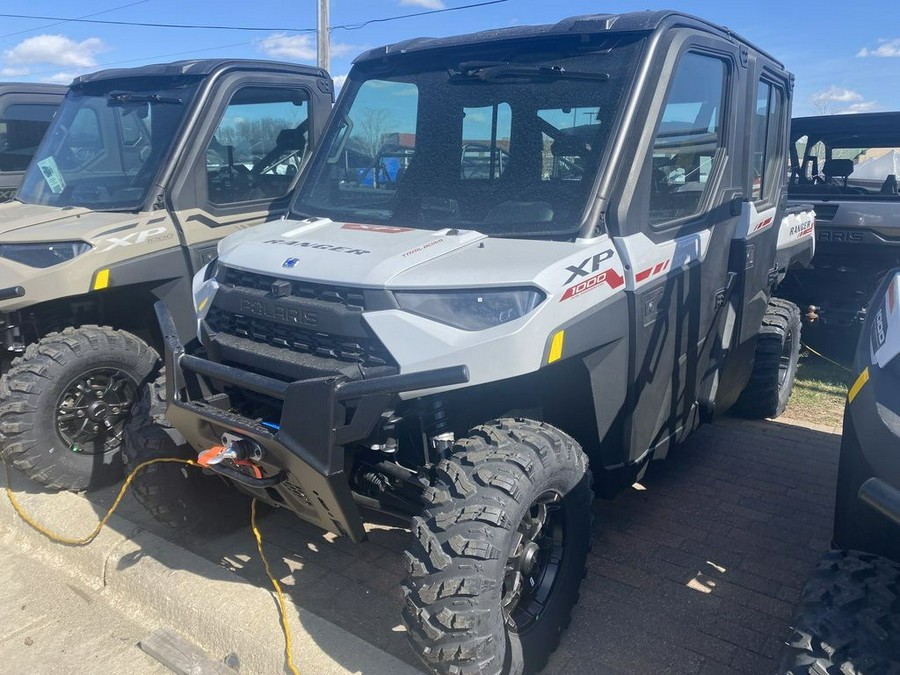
(471, 310)
(43, 255)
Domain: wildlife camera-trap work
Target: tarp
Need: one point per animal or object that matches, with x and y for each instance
(878, 168)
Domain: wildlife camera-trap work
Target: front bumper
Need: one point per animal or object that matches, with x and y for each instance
(304, 467)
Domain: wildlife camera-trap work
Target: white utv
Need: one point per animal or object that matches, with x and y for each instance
(566, 253)
(140, 174)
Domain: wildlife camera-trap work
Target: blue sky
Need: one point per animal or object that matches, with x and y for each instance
(845, 60)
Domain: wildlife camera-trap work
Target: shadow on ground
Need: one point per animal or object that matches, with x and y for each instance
(694, 570)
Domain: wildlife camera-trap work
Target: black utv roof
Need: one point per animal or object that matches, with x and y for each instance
(858, 129)
(31, 88)
(198, 68)
(632, 22)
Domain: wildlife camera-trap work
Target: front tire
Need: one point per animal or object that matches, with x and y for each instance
(65, 403)
(775, 363)
(499, 555)
(177, 495)
(848, 619)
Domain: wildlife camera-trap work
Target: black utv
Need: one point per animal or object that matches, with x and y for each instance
(848, 620)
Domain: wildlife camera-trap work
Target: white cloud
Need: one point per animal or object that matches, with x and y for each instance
(863, 106)
(836, 94)
(885, 48)
(302, 47)
(60, 78)
(12, 71)
(57, 50)
(339, 81)
(427, 4)
(839, 101)
(295, 47)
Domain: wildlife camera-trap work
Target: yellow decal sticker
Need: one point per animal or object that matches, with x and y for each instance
(101, 280)
(556, 347)
(858, 385)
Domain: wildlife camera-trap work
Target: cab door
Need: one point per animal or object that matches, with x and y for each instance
(675, 239)
(245, 156)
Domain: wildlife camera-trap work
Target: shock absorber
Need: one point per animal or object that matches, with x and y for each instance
(435, 428)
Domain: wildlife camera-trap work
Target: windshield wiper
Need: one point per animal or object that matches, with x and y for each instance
(123, 97)
(492, 71)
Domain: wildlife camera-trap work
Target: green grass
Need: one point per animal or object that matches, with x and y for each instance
(820, 391)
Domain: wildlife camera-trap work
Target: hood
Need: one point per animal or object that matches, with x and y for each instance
(321, 250)
(36, 223)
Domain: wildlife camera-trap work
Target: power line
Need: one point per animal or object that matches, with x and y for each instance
(147, 24)
(357, 26)
(62, 21)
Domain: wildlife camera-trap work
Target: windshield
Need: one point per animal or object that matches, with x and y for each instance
(864, 167)
(106, 146)
(508, 144)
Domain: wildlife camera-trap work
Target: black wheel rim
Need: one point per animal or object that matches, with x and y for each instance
(92, 410)
(534, 562)
(787, 356)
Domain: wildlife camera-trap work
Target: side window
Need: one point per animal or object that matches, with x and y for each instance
(687, 141)
(258, 146)
(485, 141)
(766, 136)
(568, 142)
(22, 127)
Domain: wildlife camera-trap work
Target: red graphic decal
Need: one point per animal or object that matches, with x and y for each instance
(653, 270)
(384, 229)
(609, 277)
(806, 230)
(763, 223)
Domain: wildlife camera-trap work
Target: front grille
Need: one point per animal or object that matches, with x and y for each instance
(352, 298)
(367, 352)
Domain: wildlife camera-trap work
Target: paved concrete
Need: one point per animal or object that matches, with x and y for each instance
(694, 571)
(51, 623)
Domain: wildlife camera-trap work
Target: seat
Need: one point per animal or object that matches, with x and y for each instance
(838, 168)
(889, 187)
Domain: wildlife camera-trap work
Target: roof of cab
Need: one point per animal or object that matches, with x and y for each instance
(32, 88)
(199, 68)
(591, 23)
(845, 128)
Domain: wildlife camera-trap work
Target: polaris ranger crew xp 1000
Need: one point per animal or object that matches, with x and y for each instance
(571, 256)
(142, 171)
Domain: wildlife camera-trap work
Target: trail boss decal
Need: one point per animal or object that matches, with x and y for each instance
(321, 247)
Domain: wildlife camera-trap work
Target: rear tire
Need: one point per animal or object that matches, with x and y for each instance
(848, 620)
(65, 403)
(177, 495)
(498, 557)
(775, 362)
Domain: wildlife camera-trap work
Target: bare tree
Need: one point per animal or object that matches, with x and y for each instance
(369, 133)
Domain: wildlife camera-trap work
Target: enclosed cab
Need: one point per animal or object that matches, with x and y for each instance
(25, 114)
(847, 167)
(574, 261)
(140, 174)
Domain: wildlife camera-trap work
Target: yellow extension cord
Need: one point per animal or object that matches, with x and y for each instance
(83, 541)
(825, 358)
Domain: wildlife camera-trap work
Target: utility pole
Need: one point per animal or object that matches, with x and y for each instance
(323, 37)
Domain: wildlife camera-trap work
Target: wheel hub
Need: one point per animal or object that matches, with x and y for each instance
(534, 560)
(92, 409)
(98, 411)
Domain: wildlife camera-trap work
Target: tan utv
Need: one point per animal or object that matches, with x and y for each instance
(25, 114)
(140, 174)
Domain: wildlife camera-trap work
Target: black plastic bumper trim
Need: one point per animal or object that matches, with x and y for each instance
(882, 497)
(12, 292)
